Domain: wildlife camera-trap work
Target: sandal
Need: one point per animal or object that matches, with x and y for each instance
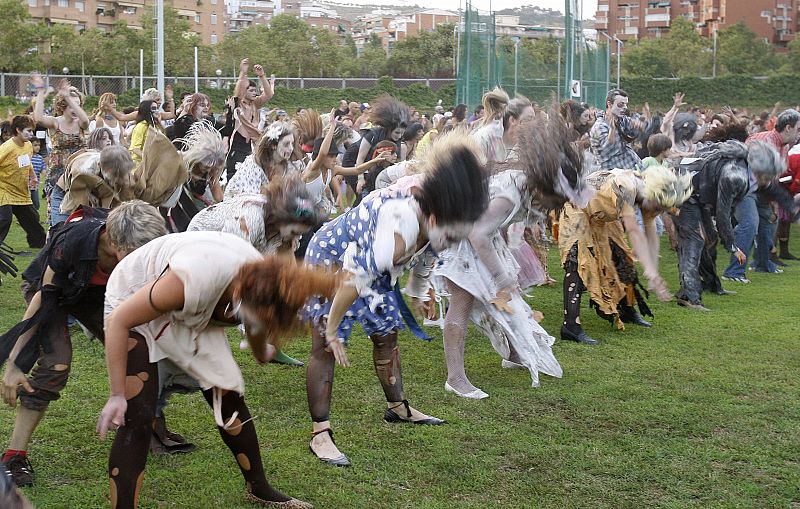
(339, 461)
(391, 416)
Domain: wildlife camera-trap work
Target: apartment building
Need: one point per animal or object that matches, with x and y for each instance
(205, 16)
(242, 14)
(630, 20)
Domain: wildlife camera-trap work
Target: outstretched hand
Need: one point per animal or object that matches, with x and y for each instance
(677, 100)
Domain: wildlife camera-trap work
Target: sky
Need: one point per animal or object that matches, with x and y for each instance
(589, 6)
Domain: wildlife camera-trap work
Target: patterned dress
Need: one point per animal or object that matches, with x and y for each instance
(64, 145)
(361, 242)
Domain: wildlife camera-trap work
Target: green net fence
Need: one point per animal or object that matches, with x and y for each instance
(533, 66)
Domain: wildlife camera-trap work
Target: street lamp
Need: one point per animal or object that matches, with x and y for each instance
(619, 57)
(218, 72)
(65, 70)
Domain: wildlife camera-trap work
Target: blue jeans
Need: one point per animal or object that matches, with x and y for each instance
(764, 238)
(746, 214)
(56, 197)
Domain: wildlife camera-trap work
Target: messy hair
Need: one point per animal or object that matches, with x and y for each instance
(454, 187)
(133, 224)
(664, 186)
(764, 160)
(497, 105)
(203, 145)
(288, 201)
(275, 289)
(94, 139)
(389, 113)
(266, 147)
(60, 104)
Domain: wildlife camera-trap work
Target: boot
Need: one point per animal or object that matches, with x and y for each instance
(784, 254)
(773, 257)
(629, 315)
(579, 336)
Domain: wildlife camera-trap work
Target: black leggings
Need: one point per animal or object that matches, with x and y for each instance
(131, 444)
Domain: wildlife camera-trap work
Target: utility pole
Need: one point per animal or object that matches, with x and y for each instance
(160, 45)
(714, 53)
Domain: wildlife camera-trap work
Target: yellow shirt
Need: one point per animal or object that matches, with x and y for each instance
(15, 168)
(138, 137)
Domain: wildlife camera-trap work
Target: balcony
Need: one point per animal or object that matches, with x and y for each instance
(601, 24)
(783, 36)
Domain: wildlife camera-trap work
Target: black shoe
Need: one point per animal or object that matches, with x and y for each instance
(21, 470)
(580, 336)
(391, 416)
(630, 315)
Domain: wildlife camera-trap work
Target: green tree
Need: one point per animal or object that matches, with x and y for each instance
(18, 37)
(741, 51)
(373, 62)
(647, 57)
(427, 54)
(179, 43)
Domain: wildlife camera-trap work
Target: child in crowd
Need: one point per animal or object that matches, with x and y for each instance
(658, 146)
(38, 167)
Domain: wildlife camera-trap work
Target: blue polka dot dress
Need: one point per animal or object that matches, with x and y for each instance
(352, 242)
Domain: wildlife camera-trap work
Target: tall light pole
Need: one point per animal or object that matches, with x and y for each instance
(160, 45)
(714, 54)
(619, 57)
(516, 63)
(608, 59)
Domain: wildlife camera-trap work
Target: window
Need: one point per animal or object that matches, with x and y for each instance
(47, 3)
(32, 3)
(213, 2)
(213, 38)
(197, 18)
(128, 10)
(63, 3)
(79, 5)
(213, 19)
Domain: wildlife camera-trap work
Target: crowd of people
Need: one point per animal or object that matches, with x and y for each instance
(168, 224)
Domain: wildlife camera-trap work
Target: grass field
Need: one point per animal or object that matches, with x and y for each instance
(702, 410)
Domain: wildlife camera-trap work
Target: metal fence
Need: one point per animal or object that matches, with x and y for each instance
(18, 85)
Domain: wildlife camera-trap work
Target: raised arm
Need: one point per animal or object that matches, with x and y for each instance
(312, 170)
(241, 84)
(669, 118)
(64, 90)
(267, 87)
(38, 107)
(153, 300)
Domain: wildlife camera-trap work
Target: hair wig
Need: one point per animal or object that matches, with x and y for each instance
(203, 145)
(684, 126)
(275, 289)
(494, 104)
(554, 168)
(289, 202)
(195, 101)
(454, 187)
(764, 161)
(97, 136)
(666, 187)
(725, 132)
(389, 113)
(133, 224)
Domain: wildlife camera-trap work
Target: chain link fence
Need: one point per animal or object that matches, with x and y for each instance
(18, 85)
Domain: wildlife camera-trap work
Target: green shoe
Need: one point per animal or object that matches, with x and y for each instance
(282, 358)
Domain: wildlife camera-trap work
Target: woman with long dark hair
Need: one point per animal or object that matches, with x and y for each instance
(370, 247)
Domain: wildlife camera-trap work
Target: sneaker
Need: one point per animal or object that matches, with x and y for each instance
(21, 470)
(742, 280)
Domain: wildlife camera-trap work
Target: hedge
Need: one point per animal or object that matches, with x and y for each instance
(729, 90)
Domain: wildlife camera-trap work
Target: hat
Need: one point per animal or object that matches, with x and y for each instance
(364, 106)
(439, 108)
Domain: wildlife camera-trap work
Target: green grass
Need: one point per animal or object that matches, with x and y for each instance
(702, 410)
